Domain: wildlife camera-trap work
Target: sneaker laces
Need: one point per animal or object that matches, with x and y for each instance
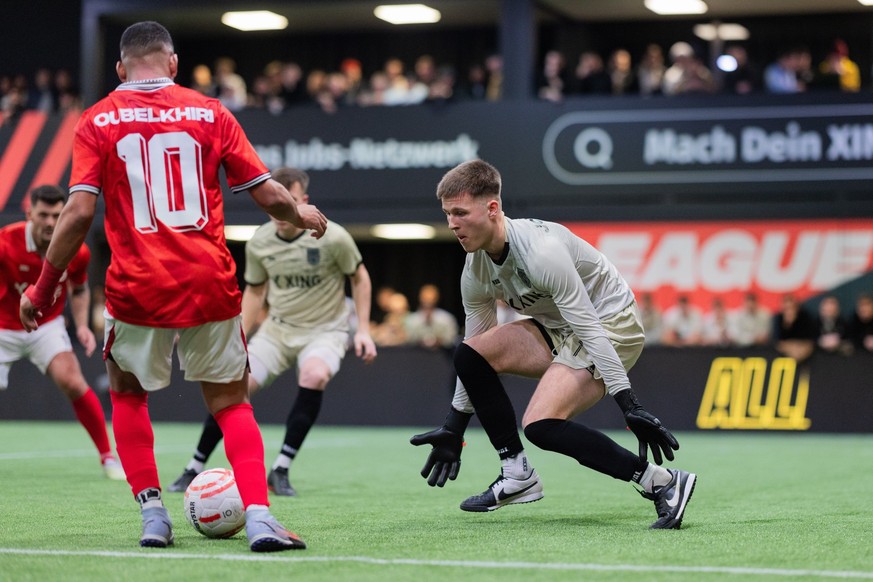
(659, 496)
(498, 480)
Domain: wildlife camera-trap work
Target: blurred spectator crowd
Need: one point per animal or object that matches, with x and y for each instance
(792, 330)
(48, 91)
(428, 326)
(680, 69)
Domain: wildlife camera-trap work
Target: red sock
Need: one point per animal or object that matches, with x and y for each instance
(244, 448)
(90, 414)
(135, 440)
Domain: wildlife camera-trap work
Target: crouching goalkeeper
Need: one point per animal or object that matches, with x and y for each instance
(582, 335)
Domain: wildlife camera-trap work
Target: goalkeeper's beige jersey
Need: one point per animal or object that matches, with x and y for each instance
(306, 276)
(555, 277)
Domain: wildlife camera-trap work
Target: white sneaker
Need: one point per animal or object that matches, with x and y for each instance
(505, 491)
(113, 470)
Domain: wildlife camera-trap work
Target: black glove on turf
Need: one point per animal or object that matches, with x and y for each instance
(444, 460)
(647, 428)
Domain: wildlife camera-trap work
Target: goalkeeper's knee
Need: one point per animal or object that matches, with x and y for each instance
(546, 434)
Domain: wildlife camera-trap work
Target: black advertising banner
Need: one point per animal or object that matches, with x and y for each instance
(554, 155)
(383, 163)
(705, 389)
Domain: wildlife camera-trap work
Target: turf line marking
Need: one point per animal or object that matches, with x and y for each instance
(172, 555)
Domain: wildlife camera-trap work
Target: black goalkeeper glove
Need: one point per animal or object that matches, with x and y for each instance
(647, 428)
(444, 460)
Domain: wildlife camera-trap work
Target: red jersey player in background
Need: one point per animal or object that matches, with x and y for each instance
(154, 150)
(22, 249)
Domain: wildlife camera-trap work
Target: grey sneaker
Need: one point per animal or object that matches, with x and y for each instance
(157, 529)
(671, 499)
(268, 535)
(180, 485)
(505, 491)
(277, 480)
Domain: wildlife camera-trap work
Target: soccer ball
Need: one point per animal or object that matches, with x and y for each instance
(213, 506)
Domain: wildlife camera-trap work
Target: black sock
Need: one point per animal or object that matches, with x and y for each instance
(209, 439)
(300, 419)
(590, 447)
(490, 400)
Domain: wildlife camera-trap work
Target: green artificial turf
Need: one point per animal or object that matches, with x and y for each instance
(766, 507)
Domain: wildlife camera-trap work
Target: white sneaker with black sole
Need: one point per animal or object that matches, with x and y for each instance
(506, 491)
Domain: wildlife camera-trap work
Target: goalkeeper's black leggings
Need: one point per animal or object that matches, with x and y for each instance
(490, 400)
(589, 447)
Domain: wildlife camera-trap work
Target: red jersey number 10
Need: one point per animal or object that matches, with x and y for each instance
(165, 174)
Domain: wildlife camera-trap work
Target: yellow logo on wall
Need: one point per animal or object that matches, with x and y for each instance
(736, 396)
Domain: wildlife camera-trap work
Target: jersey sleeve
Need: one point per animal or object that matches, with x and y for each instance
(555, 271)
(480, 308)
(243, 167)
(348, 256)
(87, 167)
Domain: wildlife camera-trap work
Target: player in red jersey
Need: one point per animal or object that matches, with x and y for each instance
(22, 249)
(153, 150)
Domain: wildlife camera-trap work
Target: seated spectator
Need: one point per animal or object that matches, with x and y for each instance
(382, 302)
(201, 80)
(424, 77)
(745, 78)
(687, 74)
(354, 74)
(476, 84)
(861, 325)
(494, 78)
(431, 326)
(230, 87)
(716, 325)
(781, 76)
(292, 88)
(67, 92)
(591, 75)
(832, 330)
(794, 330)
(651, 319)
(391, 331)
(752, 323)
(398, 89)
(374, 94)
(683, 324)
(650, 72)
(264, 95)
(334, 94)
(621, 73)
(268, 88)
(443, 87)
(838, 64)
(552, 79)
(14, 99)
(42, 96)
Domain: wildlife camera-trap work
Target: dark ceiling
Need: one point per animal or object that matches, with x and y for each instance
(192, 16)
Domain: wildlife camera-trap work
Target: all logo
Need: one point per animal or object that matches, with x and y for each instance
(741, 394)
